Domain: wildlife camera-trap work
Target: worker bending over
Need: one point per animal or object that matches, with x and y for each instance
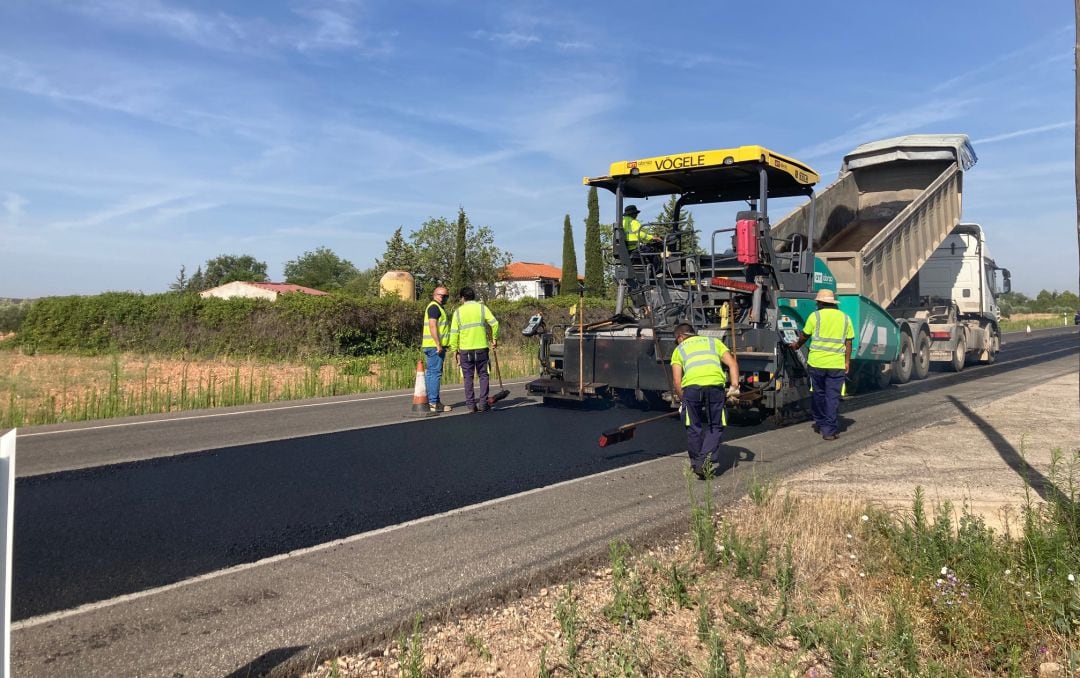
(697, 368)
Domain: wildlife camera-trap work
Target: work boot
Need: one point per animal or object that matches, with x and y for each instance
(829, 437)
(815, 428)
(439, 407)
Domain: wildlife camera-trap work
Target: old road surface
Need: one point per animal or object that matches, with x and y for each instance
(241, 541)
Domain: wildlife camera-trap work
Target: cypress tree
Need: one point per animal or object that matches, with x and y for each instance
(457, 279)
(568, 284)
(594, 263)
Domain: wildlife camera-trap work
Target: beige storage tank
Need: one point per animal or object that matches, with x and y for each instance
(399, 284)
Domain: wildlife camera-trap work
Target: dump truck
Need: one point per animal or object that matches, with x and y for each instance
(867, 236)
(741, 284)
(889, 230)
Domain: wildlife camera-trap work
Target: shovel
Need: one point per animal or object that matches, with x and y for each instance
(625, 432)
(498, 374)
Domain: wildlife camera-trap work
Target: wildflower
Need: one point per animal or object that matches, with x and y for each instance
(1008, 572)
(864, 518)
(1071, 579)
(944, 571)
(849, 535)
(853, 556)
(862, 574)
(939, 582)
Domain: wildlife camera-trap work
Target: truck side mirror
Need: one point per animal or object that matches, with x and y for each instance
(1006, 280)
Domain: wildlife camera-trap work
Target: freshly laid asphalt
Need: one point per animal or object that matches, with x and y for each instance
(165, 505)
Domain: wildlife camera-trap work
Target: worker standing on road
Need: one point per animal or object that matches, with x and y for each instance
(468, 337)
(830, 332)
(697, 369)
(436, 337)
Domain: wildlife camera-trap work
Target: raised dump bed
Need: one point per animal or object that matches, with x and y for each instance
(893, 204)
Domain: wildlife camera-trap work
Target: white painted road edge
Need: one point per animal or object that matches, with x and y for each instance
(261, 410)
(90, 607)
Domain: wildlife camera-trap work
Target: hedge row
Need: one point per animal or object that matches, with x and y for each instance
(295, 326)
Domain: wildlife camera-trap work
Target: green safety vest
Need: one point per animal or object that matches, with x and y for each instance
(635, 232)
(828, 329)
(700, 360)
(442, 324)
(468, 330)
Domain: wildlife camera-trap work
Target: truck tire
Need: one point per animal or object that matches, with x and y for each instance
(989, 356)
(959, 356)
(921, 363)
(902, 366)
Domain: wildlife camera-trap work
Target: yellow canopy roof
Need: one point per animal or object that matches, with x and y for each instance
(715, 176)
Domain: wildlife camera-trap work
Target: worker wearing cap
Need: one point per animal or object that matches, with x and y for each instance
(436, 337)
(468, 336)
(636, 235)
(697, 369)
(830, 333)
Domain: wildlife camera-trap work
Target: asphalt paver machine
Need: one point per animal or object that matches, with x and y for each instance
(739, 283)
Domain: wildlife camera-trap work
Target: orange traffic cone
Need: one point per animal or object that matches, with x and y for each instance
(420, 407)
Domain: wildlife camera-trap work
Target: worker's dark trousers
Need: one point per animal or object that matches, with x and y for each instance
(825, 400)
(704, 419)
(475, 361)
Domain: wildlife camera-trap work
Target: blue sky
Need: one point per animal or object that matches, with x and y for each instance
(139, 135)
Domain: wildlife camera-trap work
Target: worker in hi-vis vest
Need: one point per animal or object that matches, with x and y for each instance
(636, 235)
(468, 336)
(697, 370)
(830, 333)
(436, 339)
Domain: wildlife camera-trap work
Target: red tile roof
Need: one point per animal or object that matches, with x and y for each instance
(282, 288)
(524, 270)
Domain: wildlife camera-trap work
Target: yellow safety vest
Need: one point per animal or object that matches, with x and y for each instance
(700, 361)
(442, 325)
(828, 329)
(468, 331)
(635, 232)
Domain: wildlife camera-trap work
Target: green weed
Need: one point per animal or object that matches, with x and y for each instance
(411, 652)
(630, 601)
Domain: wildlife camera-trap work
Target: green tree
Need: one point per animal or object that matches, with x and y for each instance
(569, 282)
(364, 284)
(595, 284)
(665, 224)
(435, 244)
(226, 268)
(400, 255)
(181, 282)
(197, 281)
(321, 269)
(457, 277)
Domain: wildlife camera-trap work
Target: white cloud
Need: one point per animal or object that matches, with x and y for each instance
(1025, 132)
(891, 124)
(509, 38)
(13, 208)
(132, 205)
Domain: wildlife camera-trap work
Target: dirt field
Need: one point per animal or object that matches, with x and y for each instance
(980, 458)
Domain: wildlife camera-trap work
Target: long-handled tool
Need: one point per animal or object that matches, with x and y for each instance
(626, 431)
(503, 393)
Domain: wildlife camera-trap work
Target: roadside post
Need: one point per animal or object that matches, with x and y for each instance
(7, 498)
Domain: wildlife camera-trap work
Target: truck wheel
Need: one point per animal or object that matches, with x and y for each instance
(959, 356)
(902, 366)
(921, 363)
(989, 356)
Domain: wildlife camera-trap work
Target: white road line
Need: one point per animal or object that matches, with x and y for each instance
(233, 414)
(91, 607)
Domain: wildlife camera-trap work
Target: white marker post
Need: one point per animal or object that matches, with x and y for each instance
(7, 525)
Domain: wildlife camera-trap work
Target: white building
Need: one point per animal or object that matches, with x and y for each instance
(523, 279)
(256, 290)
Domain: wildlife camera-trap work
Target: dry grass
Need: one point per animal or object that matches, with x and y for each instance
(40, 389)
